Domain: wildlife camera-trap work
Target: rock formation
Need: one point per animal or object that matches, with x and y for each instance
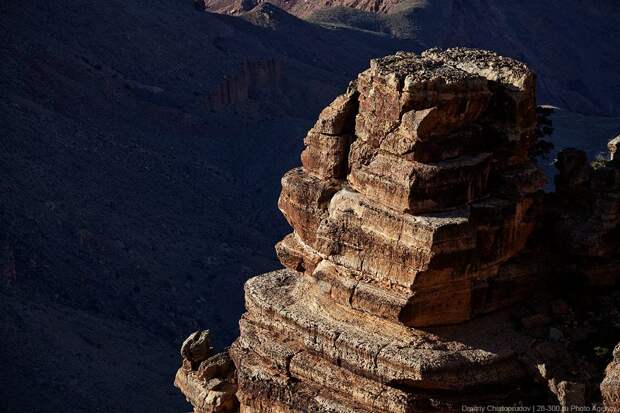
(610, 388)
(413, 208)
(416, 194)
(585, 211)
(416, 221)
(206, 379)
(252, 79)
(614, 146)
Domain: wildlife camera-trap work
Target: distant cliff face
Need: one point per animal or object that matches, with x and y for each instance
(302, 8)
(126, 128)
(253, 79)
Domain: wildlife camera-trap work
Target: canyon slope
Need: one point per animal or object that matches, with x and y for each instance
(570, 45)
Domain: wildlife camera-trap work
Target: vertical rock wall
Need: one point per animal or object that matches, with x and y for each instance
(252, 79)
(413, 208)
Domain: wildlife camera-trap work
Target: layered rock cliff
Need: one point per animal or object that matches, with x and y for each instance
(585, 211)
(300, 8)
(255, 78)
(418, 221)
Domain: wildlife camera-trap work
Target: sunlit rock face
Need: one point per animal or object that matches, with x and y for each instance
(416, 193)
(412, 209)
(302, 8)
(585, 217)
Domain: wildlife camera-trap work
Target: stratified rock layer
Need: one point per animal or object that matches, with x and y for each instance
(413, 208)
(610, 388)
(416, 192)
(300, 353)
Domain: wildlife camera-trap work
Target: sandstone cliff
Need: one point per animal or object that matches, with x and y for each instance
(252, 79)
(577, 66)
(413, 208)
(418, 220)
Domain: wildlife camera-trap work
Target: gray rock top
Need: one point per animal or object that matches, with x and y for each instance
(450, 66)
(404, 64)
(486, 64)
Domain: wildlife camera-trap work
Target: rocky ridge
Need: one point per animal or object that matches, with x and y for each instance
(418, 220)
(610, 388)
(300, 8)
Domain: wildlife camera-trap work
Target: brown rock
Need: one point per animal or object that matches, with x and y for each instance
(293, 253)
(412, 215)
(417, 214)
(339, 117)
(571, 395)
(326, 155)
(414, 187)
(610, 387)
(304, 200)
(197, 347)
(296, 351)
(614, 148)
(207, 381)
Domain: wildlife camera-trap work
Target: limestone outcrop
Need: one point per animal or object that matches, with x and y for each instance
(416, 195)
(418, 220)
(413, 208)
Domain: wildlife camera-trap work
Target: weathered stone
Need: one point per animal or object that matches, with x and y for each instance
(610, 387)
(571, 395)
(197, 347)
(326, 155)
(293, 339)
(412, 220)
(304, 200)
(339, 117)
(614, 148)
(207, 381)
(414, 187)
(398, 225)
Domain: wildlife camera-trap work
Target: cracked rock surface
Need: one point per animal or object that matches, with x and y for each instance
(419, 230)
(411, 215)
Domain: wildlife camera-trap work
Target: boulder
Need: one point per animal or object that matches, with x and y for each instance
(610, 387)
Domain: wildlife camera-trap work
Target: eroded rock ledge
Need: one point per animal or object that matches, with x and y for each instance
(417, 222)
